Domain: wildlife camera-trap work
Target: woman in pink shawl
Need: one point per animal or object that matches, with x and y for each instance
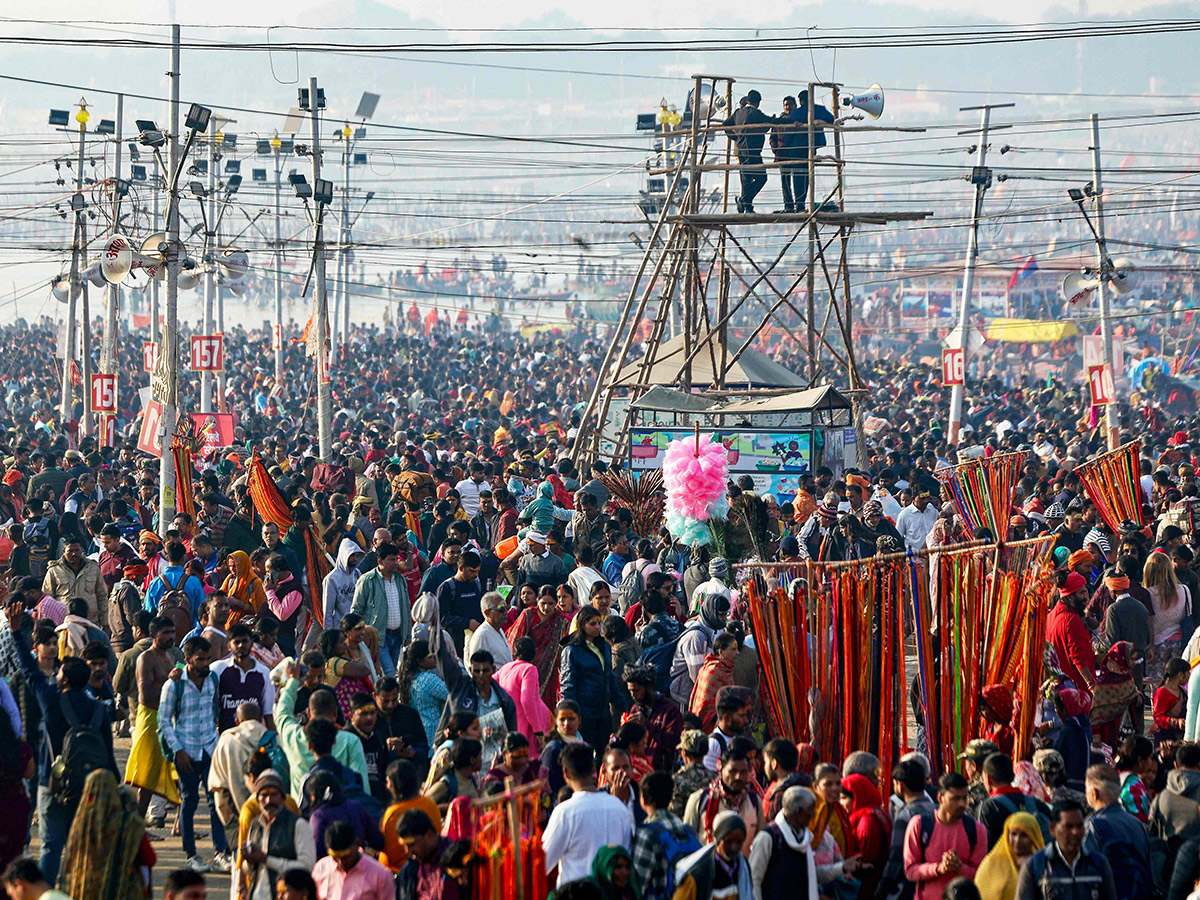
(521, 681)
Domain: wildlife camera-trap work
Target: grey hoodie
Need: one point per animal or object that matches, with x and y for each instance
(339, 584)
(1174, 812)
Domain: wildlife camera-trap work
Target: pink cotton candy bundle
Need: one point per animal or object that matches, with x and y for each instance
(695, 481)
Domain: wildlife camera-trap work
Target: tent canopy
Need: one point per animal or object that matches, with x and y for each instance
(1030, 331)
(752, 369)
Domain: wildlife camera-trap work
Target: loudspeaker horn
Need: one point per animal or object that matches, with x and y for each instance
(1075, 287)
(60, 286)
(235, 262)
(1124, 275)
(93, 274)
(116, 259)
(187, 281)
(871, 102)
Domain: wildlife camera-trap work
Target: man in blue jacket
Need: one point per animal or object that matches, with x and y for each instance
(1117, 834)
(1066, 869)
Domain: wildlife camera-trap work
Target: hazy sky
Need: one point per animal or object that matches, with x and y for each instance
(490, 14)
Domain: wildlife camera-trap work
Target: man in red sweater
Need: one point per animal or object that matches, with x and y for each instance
(945, 844)
(1069, 636)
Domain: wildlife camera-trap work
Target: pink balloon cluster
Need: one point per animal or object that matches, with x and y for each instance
(695, 481)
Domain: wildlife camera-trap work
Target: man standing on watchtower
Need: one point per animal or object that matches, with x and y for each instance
(748, 127)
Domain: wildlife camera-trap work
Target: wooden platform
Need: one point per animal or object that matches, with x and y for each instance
(853, 217)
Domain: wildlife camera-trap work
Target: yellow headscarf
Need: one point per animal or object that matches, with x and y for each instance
(244, 585)
(996, 877)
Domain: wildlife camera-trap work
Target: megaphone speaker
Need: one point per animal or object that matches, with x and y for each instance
(93, 274)
(116, 259)
(187, 281)
(1124, 276)
(1075, 287)
(871, 102)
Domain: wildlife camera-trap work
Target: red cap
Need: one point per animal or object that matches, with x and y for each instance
(1075, 582)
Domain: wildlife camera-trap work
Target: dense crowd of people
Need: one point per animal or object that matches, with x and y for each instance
(481, 615)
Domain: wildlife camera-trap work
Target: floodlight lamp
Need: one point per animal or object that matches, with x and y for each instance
(258, 174)
(134, 155)
(262, 147)
(233, 166)
(295, 177)
(106, 126)
(360, 134)
(197, 117)
(138, 173)
(230, 140)
(1075, 194)
(122, 187)
(360, 159)
(323, 191)
(300, 185)
(232, 185)
(60, 117)
(302, 97)
(370, 196)
(197, 189)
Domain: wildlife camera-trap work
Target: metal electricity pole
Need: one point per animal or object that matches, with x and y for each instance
(981, 178)
(168, 350)
(154, 281)
(109, 356)
(344, 240)
(209, 258)
(85, 355)
(66, 402)
(320, 319)
(277, 338)
(1111, 419)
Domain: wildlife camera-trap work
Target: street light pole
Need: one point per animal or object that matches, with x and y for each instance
(169, 346)
(66, 403)
(345, 241)
(109, 356)
(981, 178)
(320, 323)
(209, 258)
(277, 338)
(1111, 419)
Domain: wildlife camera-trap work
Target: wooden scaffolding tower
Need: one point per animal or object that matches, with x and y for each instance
(699, 270)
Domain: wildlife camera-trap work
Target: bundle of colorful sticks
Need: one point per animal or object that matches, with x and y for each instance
(1111, 482)
(983, 490)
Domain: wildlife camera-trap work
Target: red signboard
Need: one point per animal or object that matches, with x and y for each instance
(108, 431)
(104, 393)
(149, 356)
(276, 337)
(148, 438)
(1100, 383)
(207, 353)
(953, 366)
(217, 429)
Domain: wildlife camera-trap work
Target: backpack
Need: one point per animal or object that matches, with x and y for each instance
(968, 824)
(673, 849)
(661, 656)
(177, 708)
(279, 760)
(123, 606)
(83, 752)
(630, 588)
(175, 604)
(37, 539)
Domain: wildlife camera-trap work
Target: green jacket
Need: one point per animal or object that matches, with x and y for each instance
(348, 750)
(370, 602)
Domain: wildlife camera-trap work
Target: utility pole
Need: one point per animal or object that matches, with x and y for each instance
(85, 356)
(1111, 424)
(344, 262)
(109, 357)
(210, 263)
(981, 178)
(277, 338)
(66, 403)
(320, 320)
(169, 346)
(154, 281)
